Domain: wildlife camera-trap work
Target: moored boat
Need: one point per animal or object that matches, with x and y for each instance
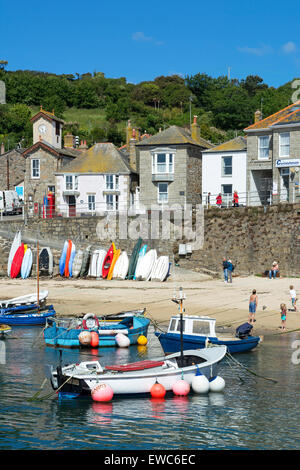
(67, 333)
(33, 315)
(198, 331)
(137, 378)
(24, 300)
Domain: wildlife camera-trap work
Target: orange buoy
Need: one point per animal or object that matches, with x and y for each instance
(142, 340)
(157, 390)
(102, 392)
(94, 339)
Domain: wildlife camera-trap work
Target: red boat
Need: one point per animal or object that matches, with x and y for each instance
(107, 261)
(17, 262)
(69, 249)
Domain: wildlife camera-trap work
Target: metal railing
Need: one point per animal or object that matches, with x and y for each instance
(250, 198)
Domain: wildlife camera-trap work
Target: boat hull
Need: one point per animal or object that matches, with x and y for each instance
(27, 318)
(69, 338)
(138, 383)
(170, 342)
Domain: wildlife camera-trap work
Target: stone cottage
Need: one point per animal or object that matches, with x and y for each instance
(170, 166)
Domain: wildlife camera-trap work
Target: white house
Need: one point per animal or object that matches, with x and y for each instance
(224, 171)
(98, 181)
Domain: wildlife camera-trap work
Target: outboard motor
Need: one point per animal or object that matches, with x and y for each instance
(243, 331)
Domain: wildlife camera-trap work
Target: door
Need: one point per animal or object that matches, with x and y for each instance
(285, 184)
(72, 206)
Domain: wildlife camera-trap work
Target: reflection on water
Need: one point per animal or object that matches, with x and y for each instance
(251, 413)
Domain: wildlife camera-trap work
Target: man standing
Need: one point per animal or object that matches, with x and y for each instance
(230, 269)
(225, 270)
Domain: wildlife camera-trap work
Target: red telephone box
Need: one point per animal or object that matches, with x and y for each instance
(51, 205)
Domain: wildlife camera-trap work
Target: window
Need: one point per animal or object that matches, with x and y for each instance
(112, 182)
(263, 147)
(226, 166)
(284, 144)
(35, 168)
(57, 128)
(179, 326)
(162, 163)
(112, 202)
(91, 202)
(162, 192)
(69, 182)
(201, 327)
(51, 189)
(227, 189)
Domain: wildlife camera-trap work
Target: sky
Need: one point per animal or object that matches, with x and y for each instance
(143, 40)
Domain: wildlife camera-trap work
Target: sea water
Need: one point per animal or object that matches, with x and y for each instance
(251, 413)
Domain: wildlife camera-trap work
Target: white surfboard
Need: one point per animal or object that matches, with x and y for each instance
(101, 256)
(147, 264)
(160, 269)
(85, 261)
(15, 245)
(26, 264)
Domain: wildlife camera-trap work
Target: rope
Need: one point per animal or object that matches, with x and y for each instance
(249, 370)
(36, 397)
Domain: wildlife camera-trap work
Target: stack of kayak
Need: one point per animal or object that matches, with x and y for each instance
(20, 259)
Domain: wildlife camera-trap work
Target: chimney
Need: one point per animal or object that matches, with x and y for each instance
(83, 145)
(195, 130)
(69, 141)
(257, 116)
(132, 150)
(128, 133)
(2, 151)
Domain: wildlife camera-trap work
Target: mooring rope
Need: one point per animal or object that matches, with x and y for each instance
(235, 361)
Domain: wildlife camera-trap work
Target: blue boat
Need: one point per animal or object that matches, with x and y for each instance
(31, 315)
(198, 332)
(65, 333)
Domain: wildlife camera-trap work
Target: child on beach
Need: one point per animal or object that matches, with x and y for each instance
(293, 297)
(253, 301)
(283, 310)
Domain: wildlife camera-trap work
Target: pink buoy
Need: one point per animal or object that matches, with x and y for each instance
(181, 387)
(102, 392)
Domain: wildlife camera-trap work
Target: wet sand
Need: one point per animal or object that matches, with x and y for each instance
(228, 303)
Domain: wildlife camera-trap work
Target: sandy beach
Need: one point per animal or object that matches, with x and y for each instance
(228, 303)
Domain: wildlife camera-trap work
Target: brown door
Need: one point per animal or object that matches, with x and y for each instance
(72, 206)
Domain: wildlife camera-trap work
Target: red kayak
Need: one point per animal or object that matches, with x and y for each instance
(107, 262)
(69, 249)
(17, 262)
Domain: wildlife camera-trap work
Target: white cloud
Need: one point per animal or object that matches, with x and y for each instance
(289, 47)
(139, 36)
(259, 51)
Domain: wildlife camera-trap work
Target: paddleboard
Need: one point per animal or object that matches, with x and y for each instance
(113, 263)
(107, 262)
(121, 266)
(160, 269)
(26, 264)
(134, 258)
(46, 260)
(15, 245)
(100, 259)
(72, 255)
(138, 264)
(68, 255)
(62, 261)
(17, 262)
(77, 263)
(147, 264)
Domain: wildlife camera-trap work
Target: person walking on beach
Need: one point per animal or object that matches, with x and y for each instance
(253, 302)
(283, 310)
(235, 199)
(225, 270)
(293, 297)
(274, 270)
(230, 270)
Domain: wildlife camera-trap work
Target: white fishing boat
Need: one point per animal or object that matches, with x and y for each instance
(24, 299)
(136, 378)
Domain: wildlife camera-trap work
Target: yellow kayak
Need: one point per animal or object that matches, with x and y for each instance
(114, 260)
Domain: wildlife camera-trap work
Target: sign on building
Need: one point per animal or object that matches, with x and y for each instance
(287, 163)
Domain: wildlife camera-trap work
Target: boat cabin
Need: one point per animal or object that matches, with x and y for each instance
(193, 325)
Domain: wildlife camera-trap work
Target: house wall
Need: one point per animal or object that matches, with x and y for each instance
(14, 169)
(91, 184)
(50, 135)
(212, 179)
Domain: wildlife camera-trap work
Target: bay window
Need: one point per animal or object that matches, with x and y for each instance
(162, 163)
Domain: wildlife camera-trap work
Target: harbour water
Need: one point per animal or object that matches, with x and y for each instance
(251, 413)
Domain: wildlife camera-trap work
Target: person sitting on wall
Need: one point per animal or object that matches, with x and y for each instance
(235, 199)
(274, 270)
(219, 200)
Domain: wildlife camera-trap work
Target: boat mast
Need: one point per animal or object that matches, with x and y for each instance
(38, 274)
(179, 301)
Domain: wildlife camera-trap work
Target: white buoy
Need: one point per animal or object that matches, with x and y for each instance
(122, 340)
(216, 384)
(200, 384)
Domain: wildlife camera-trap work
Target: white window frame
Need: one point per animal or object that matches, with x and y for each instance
(91, 203)
(112, 182)
(261, 147)
(224, 166)
(159, 194)
(69, 184)
(169, 163)
(114, 204)
(37, 169)
(284, 146)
